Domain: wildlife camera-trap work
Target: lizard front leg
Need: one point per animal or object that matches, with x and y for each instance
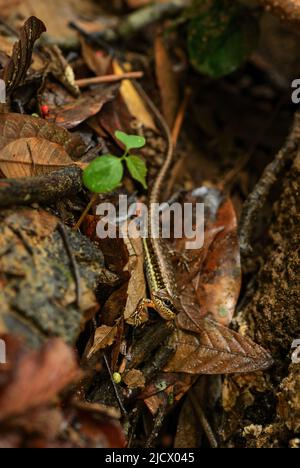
(143, 306)
(158, 305)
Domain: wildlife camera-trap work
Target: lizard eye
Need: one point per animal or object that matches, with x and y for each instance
(167, 302)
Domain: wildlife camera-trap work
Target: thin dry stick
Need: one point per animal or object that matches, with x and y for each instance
(120, 402)
(85, 213)
(158, 423)
(177, 170)
(180, 116)
(109, 79)
(203, 420)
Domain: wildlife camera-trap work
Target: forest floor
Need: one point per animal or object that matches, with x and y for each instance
(76, 368)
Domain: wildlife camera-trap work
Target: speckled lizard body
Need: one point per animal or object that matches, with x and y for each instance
(159, 271)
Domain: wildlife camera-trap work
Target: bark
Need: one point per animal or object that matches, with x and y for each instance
(46, 189)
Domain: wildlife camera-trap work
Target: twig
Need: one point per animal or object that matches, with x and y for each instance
(158, 423)
(73, 261)
(137, 412)
(180, 116)
(203, 420)
(85, 213)
(143, 17)
(120, 402)
(259, 196)
(93, 38)
(109, 79)
(47, 189)
(177, 169)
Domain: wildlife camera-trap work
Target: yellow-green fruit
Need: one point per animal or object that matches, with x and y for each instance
(117, 378)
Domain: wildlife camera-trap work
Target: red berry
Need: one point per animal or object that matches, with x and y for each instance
(45, 110)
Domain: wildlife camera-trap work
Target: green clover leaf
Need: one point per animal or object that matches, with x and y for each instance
(130, 141)
(104, 174)
(137, 169)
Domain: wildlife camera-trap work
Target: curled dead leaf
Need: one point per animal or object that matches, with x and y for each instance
(16, 69)
(104, 336)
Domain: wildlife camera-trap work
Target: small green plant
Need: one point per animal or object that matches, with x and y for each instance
(105, 173)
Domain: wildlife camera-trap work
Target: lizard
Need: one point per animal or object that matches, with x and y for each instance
(159, 270)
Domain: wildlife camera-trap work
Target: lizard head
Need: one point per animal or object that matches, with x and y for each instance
(170, 305)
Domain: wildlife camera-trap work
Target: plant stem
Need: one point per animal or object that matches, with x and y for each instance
(84, 214)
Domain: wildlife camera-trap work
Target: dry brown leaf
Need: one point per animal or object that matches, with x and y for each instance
(89, 104)
(83, 426)
(114, 116)
(7, 7)
(212, 285)
(14, 126)
(135, 379)
(97, 62)
(220, 279)
(104, 336)
(58, 14)
(34, 378)
(133, 101)
(167, 82)
(137, 284)
(28, 157)
(210, 348)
